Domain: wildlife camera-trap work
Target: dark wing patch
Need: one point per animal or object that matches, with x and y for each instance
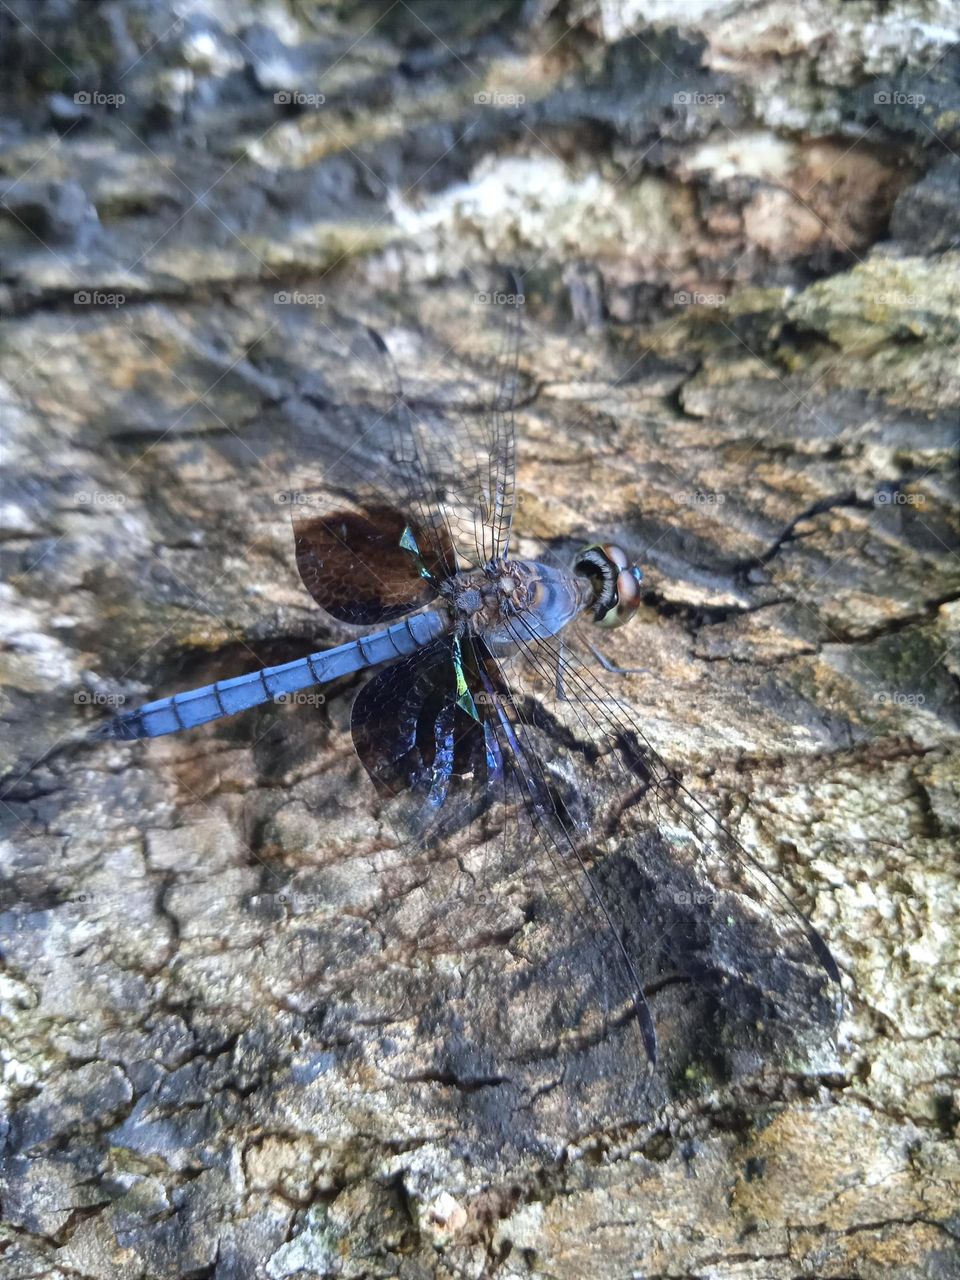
(354, 564)
(426, 756)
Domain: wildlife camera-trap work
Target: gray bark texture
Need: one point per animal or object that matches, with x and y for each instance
(242, 1035)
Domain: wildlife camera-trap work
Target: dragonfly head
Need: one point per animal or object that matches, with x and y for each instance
(615, 582)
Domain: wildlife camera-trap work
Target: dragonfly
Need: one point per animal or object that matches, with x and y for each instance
(489, 715)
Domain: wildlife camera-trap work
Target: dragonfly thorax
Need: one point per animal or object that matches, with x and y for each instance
(484, 599)
(511, 602)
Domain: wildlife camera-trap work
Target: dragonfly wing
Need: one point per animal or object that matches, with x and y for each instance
(376, 466)
(423, 744)
(369, 539)
(469, 798)
(355, 565)
(698, 916)
(580, 934)
(475, 448)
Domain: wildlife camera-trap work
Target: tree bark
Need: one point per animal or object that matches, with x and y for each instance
(240, 1036)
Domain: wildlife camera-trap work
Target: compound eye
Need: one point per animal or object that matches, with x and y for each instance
(628, 589)
(615, 581)
(616, 554)
(627, 601)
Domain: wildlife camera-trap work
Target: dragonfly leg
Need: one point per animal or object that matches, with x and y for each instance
(613, 668)
(558, 679)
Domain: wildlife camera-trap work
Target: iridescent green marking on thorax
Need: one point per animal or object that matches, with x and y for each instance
(409, 543)
(464, 697)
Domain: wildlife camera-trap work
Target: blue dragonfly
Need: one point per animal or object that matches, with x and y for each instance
(483, 711)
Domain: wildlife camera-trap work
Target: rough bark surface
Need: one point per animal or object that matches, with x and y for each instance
(228, 1050)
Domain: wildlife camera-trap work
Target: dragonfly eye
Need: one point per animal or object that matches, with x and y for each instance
(615, 581)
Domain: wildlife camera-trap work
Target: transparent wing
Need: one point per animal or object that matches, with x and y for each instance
(547, 821)
(373, 464)
(697, 915)
(466, 434)
(491, 868)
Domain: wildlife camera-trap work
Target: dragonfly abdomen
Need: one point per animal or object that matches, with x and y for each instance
(228, 697)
